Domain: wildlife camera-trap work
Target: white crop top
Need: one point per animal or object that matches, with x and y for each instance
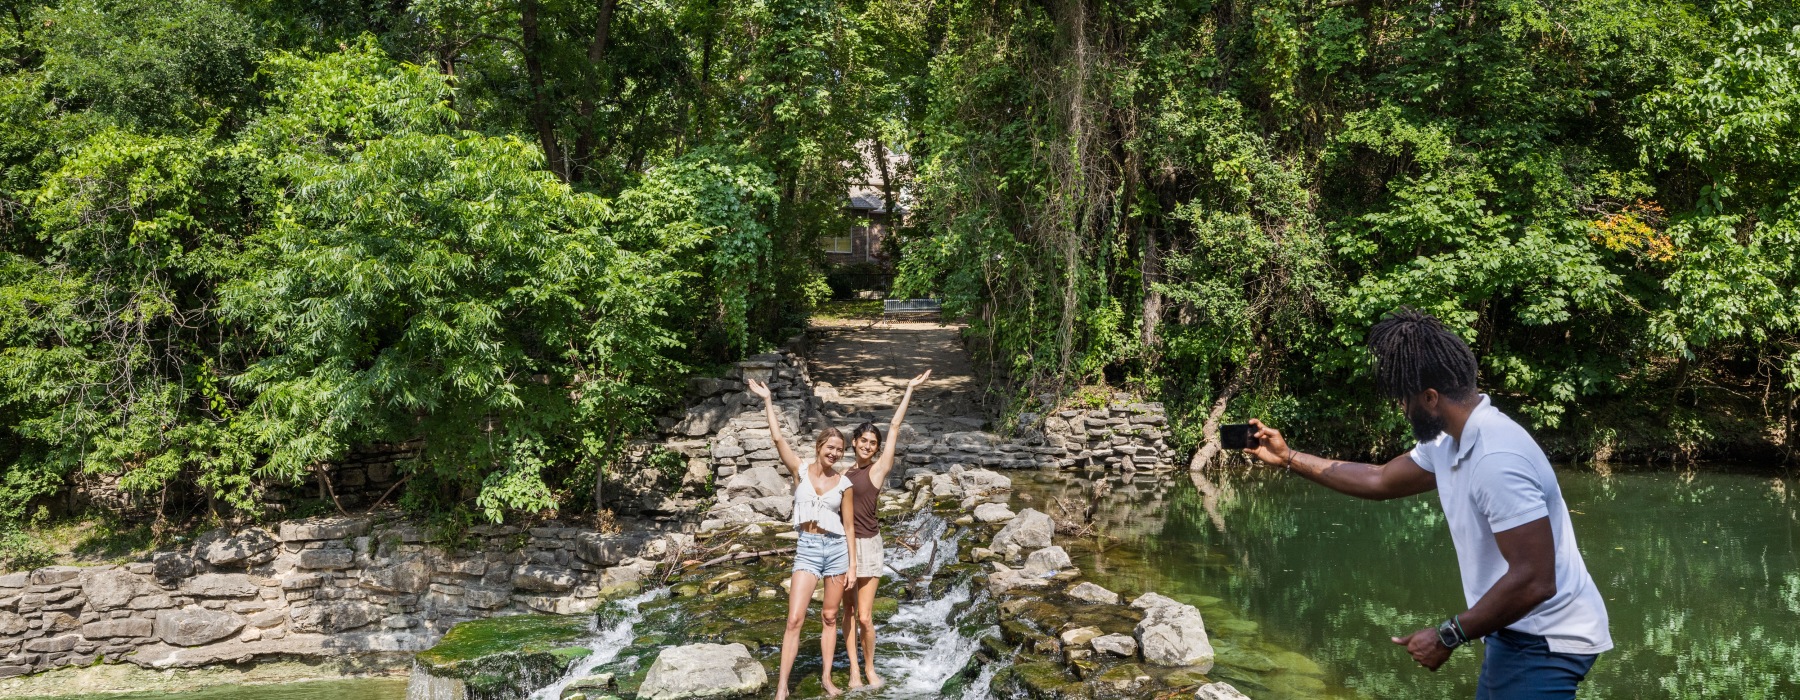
(826, 510)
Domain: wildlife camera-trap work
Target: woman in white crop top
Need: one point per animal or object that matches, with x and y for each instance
(824, 511)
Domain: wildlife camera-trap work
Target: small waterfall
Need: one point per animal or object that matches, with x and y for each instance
(424, 686)
(612, 633)
(932, 648)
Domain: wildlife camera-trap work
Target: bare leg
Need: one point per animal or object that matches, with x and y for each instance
(834, 598)
(799, 597)
(865, 619)
(850, 637)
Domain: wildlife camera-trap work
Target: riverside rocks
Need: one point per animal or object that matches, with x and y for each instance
(993, 513)
(703, 671)
(1175, 635)
(1047, 561)
(1089, 592)
(1219, 691)
(1031, 529)
(1115, 644)
(196, 626)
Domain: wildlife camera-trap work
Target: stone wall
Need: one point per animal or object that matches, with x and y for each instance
(317, 587)
(1126, 436)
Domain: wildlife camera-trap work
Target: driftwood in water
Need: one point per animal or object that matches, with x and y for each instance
(742, 555)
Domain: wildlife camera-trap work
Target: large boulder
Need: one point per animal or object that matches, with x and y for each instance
(1031, 529)
(1175, 635)
(107, 589)
(983, 481)
(993, 513)
(706, 418)
(1047, 561)
(605, 550)
(777, 507)
(195, 626)
(758, 482)
(225, 548)
(703, 671)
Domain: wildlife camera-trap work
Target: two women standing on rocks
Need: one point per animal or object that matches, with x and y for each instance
(834, 514)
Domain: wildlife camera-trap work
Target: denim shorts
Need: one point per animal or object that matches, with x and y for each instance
(822, 555)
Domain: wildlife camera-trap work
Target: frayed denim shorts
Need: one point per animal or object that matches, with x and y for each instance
(822, 555)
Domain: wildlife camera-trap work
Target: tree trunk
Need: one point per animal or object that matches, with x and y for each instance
(540, 102)
(585, 141)
(1209, 431)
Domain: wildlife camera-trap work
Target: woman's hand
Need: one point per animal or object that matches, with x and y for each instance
(760, 389)
(916, 381)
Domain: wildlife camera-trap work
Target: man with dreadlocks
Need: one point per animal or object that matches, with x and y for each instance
(1530, 598)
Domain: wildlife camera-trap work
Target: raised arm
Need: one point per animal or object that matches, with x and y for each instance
(1398, 478)
(788, 457)
(878, 472)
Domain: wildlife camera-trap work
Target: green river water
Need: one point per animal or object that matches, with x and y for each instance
(1701, 574)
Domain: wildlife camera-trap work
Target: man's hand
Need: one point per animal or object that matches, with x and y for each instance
(1425, 648)
(1271, 447)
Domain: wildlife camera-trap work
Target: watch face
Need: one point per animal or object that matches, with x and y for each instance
(1446, 636)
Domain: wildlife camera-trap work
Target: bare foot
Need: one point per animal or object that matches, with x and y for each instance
(781, 694)
(831, 691)
(875, 681)
(856, 684)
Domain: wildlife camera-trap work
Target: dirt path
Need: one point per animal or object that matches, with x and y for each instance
(861, 368)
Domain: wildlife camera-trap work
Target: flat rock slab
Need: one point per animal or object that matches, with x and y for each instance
(195, 626)
(703, 671)
(331, 528)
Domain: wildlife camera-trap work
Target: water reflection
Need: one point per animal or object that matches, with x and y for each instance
(1701, 573)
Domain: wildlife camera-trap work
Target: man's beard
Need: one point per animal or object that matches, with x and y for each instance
(1425, 426)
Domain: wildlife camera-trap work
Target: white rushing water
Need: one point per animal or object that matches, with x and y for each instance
(605, 644)
(921, 647)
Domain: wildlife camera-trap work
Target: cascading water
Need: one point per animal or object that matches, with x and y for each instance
(612, 633)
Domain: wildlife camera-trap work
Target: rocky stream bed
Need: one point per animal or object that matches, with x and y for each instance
(986, 604)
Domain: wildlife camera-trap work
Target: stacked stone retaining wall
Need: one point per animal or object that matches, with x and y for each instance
(319, 587)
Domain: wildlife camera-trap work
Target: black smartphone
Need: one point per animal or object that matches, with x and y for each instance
(1238, 436)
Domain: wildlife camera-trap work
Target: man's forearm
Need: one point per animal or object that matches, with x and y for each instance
(1351, 478)
(1513, 597)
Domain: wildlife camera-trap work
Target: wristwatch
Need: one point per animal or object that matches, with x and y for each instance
(1450, 634)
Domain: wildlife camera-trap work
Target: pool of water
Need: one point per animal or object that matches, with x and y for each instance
(1701, 573)
(341, 689)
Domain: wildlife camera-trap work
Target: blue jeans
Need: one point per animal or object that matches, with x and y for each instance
(1520, 666)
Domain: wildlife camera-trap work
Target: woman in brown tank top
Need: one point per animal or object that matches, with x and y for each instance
(866, 479)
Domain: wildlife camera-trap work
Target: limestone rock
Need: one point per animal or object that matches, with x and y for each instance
(703, 671)
(759, 482)
(1090, 592)
(219, 586)
(107, 589)
(1115, 644)
(51, 645)
(334, 617)
(993, 513)
(409, 575)
(1219, 691)
(195, 626)
(1079, 636)
(983, 481)
(223, 548)
(171, 567)
(780, 508)
(54, 575)
(1032, 529)
(1175, 635)
(537, 577)
(333, 558)
(706, 418)
(1153, 600)
(11, 624)
(604, 550)
(327, 528)
(122, 627)
(1047, 561)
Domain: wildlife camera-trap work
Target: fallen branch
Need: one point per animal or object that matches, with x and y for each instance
(742, 555)
(1209, 431)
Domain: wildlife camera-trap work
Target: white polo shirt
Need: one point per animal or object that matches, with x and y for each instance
(1495, 479)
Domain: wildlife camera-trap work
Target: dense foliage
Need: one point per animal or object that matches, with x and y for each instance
(240, 240)
(1215, 200)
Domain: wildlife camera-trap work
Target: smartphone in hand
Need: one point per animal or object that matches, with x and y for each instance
(1238, 436)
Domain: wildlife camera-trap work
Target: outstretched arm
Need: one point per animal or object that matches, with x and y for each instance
(788, 457)
(878, 472)
(1398, 478)
(849, 510)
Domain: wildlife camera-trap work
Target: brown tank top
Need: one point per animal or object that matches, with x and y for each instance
(867, 495)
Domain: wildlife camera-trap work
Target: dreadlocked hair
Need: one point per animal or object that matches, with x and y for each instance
(1414, 352)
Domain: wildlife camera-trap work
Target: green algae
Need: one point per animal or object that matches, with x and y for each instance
(477, 639)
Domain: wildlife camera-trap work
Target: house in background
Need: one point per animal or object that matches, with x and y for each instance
(871, 220)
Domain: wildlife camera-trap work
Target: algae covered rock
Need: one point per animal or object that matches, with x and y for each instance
(703, 671)
(505, 658)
